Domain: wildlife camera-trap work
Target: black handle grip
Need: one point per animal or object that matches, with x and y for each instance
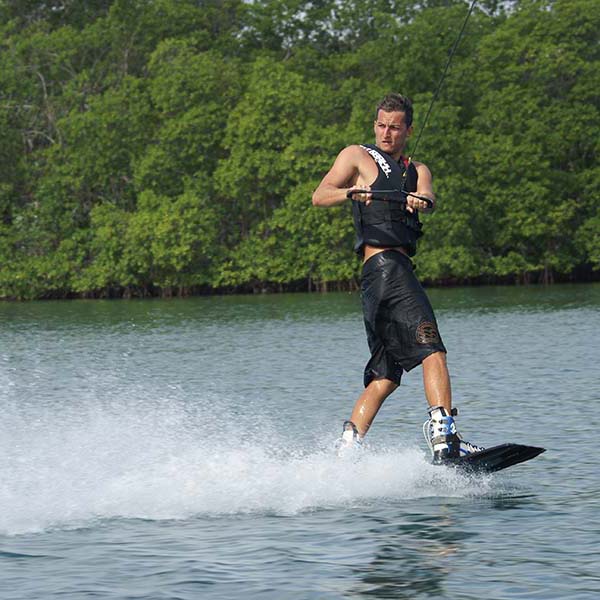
(350, 193)
(425, 199)
(385, 195)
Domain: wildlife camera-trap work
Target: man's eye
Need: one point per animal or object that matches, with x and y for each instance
(392, 127)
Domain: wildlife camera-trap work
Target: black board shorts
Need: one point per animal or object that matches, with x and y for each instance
(401, 327)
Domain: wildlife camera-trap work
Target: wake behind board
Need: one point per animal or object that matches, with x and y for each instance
(497, 458)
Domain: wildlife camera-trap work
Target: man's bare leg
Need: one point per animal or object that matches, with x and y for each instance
(436, 381)
(445, 441)
(368, 404)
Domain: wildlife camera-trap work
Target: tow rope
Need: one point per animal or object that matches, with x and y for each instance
(376, 195)
(441, 81)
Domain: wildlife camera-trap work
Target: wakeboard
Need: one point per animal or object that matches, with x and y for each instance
(497, 458)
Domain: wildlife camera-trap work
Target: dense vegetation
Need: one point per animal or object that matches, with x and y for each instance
(172, 146)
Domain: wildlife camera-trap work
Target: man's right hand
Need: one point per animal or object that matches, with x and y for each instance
(360, 193)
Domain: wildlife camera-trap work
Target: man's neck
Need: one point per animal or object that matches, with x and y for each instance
(396, 155)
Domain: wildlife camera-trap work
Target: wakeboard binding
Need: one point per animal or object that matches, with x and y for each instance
(443, 439)
(448, 448)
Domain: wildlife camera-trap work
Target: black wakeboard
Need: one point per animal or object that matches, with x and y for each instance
(497, 458)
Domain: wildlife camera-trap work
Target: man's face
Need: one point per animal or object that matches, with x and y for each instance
(391, 132)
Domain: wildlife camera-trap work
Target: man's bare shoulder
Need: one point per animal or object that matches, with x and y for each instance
(418, 164)
(352, 154)
(421, 168)
(354, 150)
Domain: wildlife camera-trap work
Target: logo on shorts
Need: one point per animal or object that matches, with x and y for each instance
(427, 333)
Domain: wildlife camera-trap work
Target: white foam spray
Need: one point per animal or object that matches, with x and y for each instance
(68, 466)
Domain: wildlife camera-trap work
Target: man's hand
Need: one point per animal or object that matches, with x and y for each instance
(360, 193)
(414, 203)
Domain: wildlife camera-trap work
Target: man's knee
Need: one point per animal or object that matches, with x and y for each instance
(435, 359)
(383, 386)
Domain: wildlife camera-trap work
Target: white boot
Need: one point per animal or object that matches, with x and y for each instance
(442, 437)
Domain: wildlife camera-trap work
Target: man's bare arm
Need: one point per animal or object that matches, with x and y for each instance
(341, 178)
(424, 189)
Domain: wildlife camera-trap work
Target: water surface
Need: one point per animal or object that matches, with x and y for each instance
(183, 449)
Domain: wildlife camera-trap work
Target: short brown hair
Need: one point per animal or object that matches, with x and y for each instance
(397, 103)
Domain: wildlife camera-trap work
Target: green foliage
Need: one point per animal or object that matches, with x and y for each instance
(172, 146)
(192, 93)
(164, 244)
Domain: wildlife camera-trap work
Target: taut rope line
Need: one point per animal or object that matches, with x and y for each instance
(441, 81)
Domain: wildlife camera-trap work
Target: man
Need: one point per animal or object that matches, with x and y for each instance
(401, 328)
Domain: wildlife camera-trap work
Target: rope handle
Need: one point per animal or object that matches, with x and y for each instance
(383, 195)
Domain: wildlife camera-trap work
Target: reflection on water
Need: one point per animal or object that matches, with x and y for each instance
(416, 553)
(528, 298)
(153, 314)
(412, 557)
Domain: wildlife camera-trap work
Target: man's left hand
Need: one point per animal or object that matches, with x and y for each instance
(414, 203)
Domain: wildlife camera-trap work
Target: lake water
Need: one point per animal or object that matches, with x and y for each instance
(183, 449)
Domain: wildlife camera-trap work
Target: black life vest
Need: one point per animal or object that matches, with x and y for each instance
(386, 222)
